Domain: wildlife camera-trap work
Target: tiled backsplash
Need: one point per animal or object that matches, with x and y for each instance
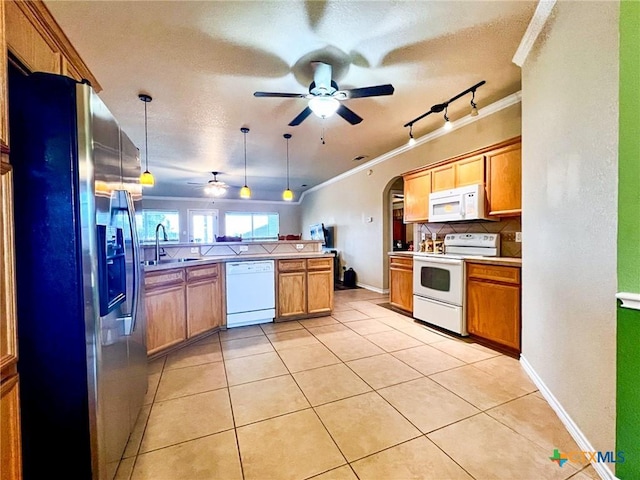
(507, 229)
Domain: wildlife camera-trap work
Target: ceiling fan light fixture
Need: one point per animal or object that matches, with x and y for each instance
(146, 178)
(245, 192)
(324, 107)
(215, 188)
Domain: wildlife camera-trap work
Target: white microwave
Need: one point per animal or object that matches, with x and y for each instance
(458, 204)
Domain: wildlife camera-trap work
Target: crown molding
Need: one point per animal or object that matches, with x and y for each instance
(629, 300)
(501, 104)
(537, 23)
(217, 200)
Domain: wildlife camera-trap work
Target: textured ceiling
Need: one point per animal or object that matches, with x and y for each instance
(202, 61)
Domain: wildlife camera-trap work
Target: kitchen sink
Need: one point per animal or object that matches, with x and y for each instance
(163, 261)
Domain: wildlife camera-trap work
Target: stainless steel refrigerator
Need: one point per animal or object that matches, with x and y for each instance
(80, 308)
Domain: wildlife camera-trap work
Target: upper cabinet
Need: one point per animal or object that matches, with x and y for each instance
(4, 133)
(497, 167)
(417, 187)
(504, 180)
(38, 42)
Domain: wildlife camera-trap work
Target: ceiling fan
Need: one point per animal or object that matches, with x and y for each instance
(325, 96)
(215, 187)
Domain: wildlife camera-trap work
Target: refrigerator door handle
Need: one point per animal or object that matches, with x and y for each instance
(131, 318)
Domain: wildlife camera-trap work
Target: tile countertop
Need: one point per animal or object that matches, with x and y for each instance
(505, 261)
(232, 258)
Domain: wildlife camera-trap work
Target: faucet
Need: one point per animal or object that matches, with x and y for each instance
(164, 236)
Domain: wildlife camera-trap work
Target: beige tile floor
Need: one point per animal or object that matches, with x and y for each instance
(364, 394)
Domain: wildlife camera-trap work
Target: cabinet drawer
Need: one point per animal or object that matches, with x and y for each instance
(196, 273)
(319, 263)
(404, 263)
(161, 279)
(494, 272)
(295, 265)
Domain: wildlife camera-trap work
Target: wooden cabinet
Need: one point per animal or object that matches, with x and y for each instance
(10, 448)
(166, 309)
(39, 44)
(305, 287)
(470, 171)
(493, 303)
(443, 178)
(319, 285)
(504, 180)
(10, 457)
(204, 299)
(417, 187)
(4, 113)
(401, 282)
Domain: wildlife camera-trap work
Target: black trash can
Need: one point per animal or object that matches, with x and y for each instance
(349, 278)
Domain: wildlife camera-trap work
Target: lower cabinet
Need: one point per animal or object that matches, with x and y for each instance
(182, 303)
(10, 458)
(305, 287)
(204, 299)
(401, 282)
(493, 303)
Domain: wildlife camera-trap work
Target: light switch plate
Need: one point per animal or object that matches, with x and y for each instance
(195, 250)
(518, 236)
(299, 246)
(244, 248)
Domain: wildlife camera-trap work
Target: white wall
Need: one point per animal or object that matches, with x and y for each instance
(346, 203)
(569, 131)
(289, 213)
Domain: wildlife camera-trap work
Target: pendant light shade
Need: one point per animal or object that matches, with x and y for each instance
(146, 178)
(245, 192)
(287, 195)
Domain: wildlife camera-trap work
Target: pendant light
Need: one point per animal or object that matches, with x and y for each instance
(146, 178)
(245, 192)
(287, 195)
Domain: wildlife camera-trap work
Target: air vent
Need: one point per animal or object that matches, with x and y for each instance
(359, 158)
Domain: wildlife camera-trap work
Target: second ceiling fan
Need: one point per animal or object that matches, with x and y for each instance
(325, 97)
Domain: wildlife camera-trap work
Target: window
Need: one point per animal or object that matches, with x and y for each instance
(203, 226)
(252, 226)
(147, 220)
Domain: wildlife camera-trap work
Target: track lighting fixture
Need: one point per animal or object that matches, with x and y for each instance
(146, 178)
(245, 192)
(474, 107)
(287, 195)
(442, 107)
(412, 141)
(447, 123)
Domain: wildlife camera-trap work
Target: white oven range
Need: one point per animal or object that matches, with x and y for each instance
(439, 279)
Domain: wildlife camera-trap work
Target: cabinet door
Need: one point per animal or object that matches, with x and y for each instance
(10, 457)
(8, 319)
(292, 294)
(493, 312)
(204, 306)
(417, 187)
(4, 133)
(443, 178)
(166, 318)
(504, 180)
(401, 283)
(470, 171)
(320, 291)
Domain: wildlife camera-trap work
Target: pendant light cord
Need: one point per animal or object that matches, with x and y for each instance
(287, 164)
(146, 143)
(245, 158)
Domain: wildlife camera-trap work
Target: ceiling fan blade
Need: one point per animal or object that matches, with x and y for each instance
(349, 115)
(194, 183)
(376, 91)
(283, 95)
(322, 75)
(299, 119)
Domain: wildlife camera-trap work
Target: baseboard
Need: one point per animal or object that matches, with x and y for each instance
(601, 469)
(372, 288)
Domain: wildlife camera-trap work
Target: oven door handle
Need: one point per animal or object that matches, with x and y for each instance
(439, 261)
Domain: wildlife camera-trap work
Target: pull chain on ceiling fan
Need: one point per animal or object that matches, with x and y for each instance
(325, 96)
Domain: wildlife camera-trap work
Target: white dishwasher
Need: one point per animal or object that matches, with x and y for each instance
(251, 296)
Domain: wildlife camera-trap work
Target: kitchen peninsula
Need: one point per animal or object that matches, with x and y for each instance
(186, 287)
